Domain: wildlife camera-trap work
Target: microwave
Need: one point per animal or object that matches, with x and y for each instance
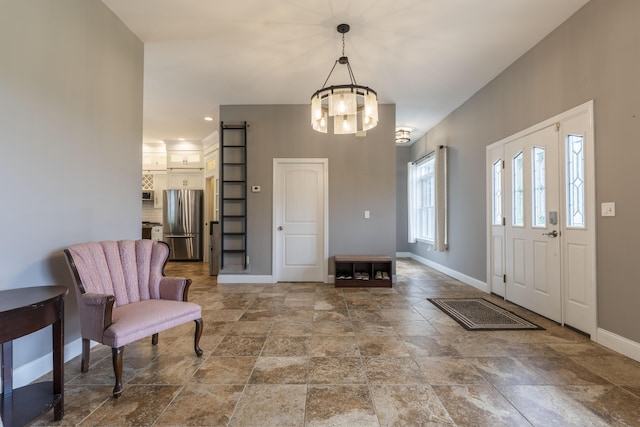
(147, 194)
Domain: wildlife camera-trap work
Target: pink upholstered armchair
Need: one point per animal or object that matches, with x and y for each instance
(124, 296)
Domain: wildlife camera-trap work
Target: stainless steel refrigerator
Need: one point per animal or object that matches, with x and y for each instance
(182, 224)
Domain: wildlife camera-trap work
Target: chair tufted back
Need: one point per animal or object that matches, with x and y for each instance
(128, 269)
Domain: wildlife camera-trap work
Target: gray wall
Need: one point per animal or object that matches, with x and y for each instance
(71, 132)
(593, 55)
(403, 156)
(361, 177)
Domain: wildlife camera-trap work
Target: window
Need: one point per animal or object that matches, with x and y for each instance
(539, 188)
(517, 184)
(425, 182)
(427, 200)
(497, 192)
(575, 181)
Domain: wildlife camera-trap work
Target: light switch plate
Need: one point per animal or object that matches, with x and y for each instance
(367, 215)
(608, 209)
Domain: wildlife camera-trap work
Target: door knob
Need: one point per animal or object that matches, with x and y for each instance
(553, 233)
(280, 228)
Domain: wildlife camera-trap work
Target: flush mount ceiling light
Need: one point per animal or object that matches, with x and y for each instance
(403, 136)
(353, 108)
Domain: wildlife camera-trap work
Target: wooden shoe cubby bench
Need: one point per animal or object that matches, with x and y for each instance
(370, 264)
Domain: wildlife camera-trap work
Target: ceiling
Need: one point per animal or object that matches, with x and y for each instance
(425, 56)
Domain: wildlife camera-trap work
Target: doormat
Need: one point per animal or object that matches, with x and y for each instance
(478, 314)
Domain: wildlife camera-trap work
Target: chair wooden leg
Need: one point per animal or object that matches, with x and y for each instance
(84, 365)
(154, 339)
(196, 343)
(116, 355)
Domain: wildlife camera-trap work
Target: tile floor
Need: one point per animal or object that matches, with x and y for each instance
(300, 354)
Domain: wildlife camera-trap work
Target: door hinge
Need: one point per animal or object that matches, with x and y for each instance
(504, 278)
(557, 126)
(504, 220)
(503, 164)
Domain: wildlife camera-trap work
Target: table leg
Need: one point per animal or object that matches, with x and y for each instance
(7, 367)
(58, 362)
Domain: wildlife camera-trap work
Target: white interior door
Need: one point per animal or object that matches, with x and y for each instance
(532, 238)
(300, 212)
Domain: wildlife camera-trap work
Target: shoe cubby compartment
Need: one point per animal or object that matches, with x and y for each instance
(356, 271)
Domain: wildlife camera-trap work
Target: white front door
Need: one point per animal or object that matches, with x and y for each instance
(495, 196)
(299, 220)
(547, 187)
(532, 238)
(578, 236)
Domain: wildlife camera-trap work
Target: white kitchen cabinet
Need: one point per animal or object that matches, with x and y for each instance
(154, 161)
(184, 179)
(156, 181)
(184, 159)
(159, 185)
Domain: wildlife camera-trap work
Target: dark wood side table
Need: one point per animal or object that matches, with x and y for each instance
(23, 311)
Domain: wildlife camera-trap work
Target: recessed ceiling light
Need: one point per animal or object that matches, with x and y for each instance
(209, 119)
(180, 139)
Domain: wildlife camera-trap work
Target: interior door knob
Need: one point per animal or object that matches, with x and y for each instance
(280, 228)
(553, 233)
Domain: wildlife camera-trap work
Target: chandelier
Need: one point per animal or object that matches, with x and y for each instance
(353, 108)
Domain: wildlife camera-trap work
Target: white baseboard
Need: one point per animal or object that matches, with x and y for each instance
(244, 278)
(618, 343)
(450, 272)
(33, 370)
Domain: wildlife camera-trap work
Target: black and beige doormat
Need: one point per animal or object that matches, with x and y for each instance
(478, 314)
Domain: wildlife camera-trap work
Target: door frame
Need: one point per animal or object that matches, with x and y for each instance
(590, 205)
(275, 258)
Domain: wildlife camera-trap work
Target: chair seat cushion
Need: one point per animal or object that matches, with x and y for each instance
(138, 320)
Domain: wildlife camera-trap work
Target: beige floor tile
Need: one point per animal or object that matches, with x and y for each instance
(140, 405)
(562, 371)
(550, 406)
(339, 405)
(202, 405)
(336, 370)
(240, 345)
(616, 368)
(280, 345)
(409, 405)
(393, 370)
(270, 405)
(334, 346)
(479, 405)
(450, 371)
(224, 370)
(310, 354)
(381, 346)
(280, 370)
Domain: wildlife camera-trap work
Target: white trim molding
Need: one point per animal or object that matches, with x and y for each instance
(618, 343)
(245, 278)
(478, 284)
(31, 371)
